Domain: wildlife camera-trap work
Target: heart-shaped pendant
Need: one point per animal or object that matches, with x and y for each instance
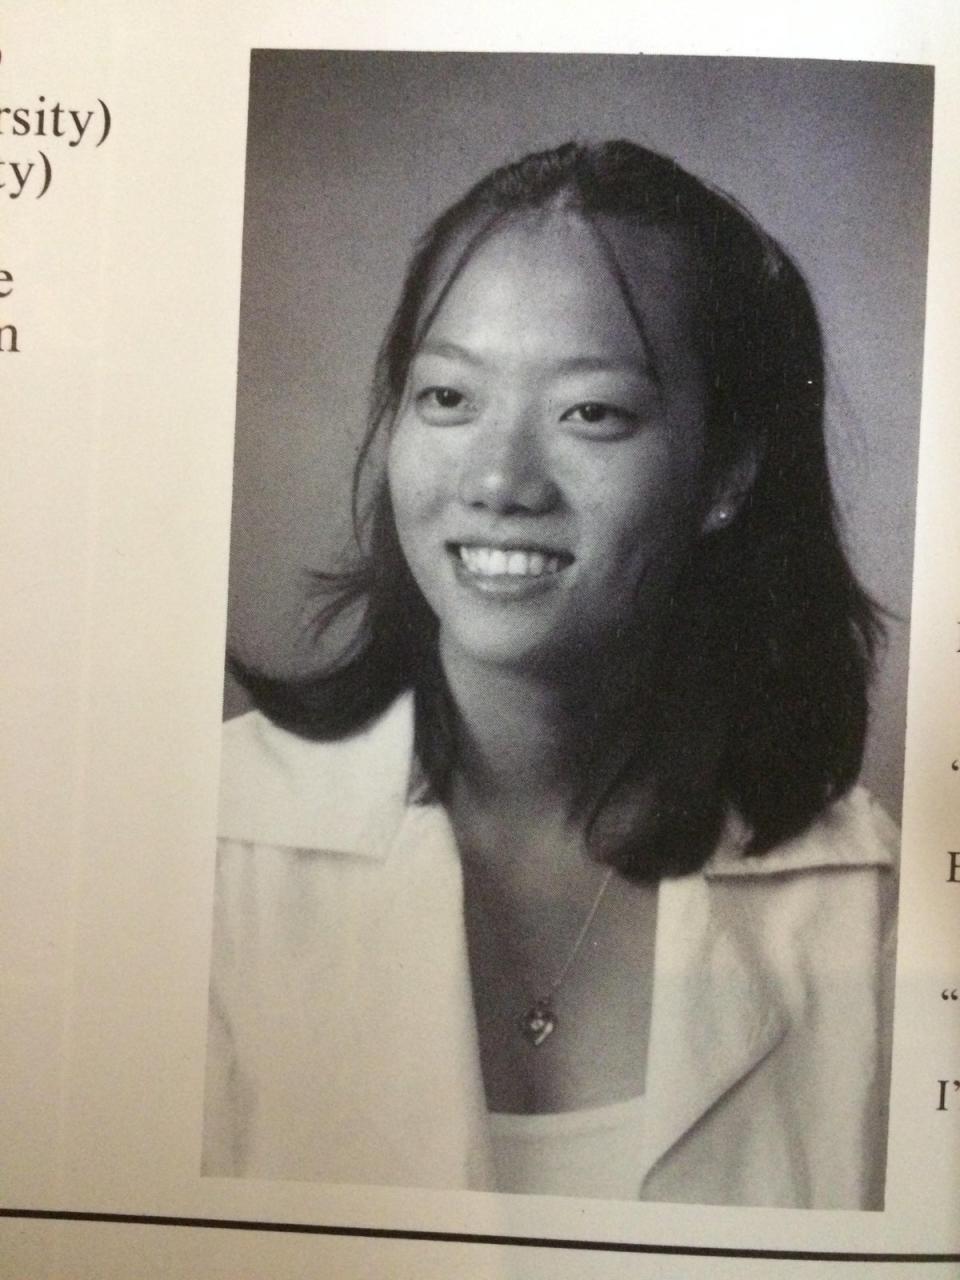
(537, 1023)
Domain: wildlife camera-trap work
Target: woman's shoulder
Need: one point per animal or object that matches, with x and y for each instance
(277, 787)
(854, 831)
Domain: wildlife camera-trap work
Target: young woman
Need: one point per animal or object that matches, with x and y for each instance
(555, 879)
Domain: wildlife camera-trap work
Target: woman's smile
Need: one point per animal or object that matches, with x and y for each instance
(507, 572)
(510, 562)
(547, 460)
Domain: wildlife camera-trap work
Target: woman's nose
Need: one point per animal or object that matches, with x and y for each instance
(506, 472)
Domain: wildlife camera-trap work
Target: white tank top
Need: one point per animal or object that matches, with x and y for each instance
(592, 1153)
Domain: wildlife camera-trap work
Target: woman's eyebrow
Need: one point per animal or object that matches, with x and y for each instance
(563, 364)
(449, 350)
(601, 364)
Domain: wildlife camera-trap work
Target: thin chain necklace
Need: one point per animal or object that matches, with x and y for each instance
(540, 1020)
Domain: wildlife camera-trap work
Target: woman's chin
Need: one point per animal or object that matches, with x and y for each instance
(525, 651)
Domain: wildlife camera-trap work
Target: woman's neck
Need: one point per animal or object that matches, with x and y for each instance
(529, 738)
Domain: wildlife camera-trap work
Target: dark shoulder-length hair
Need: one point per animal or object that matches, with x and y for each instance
(761, 703)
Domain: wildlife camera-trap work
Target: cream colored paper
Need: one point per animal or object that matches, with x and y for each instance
(118, 417)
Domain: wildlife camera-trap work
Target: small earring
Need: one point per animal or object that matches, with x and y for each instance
(719, 519)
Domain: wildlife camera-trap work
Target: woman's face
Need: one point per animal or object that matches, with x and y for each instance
(547, 462)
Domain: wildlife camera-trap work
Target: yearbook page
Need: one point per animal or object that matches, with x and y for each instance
(481, 737)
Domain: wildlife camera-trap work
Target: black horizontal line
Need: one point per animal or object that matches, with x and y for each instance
(465, 1237)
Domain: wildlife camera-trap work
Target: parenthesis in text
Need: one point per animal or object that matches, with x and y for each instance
(105, 112)
(47, 174)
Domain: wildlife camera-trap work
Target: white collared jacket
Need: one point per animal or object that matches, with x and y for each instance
(342, 1039)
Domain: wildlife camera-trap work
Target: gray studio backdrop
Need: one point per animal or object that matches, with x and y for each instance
(351, 154)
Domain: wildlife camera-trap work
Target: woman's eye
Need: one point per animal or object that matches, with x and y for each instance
(592, 411)
(597, 413)
(442, 404)
(446, 397)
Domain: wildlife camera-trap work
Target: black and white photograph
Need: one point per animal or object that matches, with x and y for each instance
(481, 784)
(577, 423)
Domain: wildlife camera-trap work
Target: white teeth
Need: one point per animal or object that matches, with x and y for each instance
(493, 562)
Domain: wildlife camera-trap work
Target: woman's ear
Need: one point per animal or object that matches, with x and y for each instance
(730, 492)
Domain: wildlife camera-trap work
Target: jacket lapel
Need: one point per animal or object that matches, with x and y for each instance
(714, 1017)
